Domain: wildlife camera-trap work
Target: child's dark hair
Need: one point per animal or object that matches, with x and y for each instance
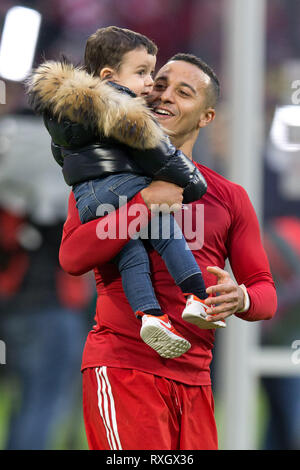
(107, 46)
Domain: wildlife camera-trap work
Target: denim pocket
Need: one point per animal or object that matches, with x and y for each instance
(86, 215)
(86, 201)
(82, 191)
(129, 185)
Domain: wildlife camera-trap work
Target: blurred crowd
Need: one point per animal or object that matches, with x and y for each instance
(43, 319)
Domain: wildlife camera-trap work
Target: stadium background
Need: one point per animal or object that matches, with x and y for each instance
(40, 397)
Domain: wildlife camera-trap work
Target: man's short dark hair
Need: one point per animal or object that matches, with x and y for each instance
(214, 86)
(107, 46)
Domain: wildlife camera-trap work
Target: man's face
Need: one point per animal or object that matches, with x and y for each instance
(178, 99)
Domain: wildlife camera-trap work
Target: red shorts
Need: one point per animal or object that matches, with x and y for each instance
(127, 409)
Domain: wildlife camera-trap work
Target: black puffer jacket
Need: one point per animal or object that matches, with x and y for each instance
(100, 128)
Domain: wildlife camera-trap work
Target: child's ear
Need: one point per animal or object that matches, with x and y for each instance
(106, 73)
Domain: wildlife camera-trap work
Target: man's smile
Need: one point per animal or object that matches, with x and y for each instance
(162, 112)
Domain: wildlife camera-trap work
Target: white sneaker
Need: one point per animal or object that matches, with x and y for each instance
(195, 312)
(160, 334)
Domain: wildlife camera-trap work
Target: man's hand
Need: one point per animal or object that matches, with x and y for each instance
(230, 299)
(160, 193)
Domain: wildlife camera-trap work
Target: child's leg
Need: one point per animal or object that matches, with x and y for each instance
(134, 267)
(133, 262)
(177, 255)
(156, 331)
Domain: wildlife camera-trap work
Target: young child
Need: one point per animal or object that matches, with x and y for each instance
(83, 111)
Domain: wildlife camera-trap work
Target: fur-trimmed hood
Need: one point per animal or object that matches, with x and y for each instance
(69, 92)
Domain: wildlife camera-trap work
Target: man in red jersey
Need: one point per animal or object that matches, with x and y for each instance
(133, 398)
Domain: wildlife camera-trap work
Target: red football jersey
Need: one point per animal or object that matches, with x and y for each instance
(224, 219)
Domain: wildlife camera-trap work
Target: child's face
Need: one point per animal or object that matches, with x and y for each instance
(136, 71)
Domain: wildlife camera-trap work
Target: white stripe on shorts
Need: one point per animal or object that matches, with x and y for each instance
(106, 407)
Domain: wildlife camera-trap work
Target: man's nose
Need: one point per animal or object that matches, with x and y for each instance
(167, 95)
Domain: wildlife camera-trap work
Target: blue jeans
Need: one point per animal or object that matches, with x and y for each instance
(133, 261)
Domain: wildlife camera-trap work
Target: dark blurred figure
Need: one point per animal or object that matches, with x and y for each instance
(282, 243)
(43, 310)
(43, 329)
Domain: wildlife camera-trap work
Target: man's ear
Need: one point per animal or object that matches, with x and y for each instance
(106, 73)
(206, 117)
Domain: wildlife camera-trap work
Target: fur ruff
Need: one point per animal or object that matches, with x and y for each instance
(69, 92)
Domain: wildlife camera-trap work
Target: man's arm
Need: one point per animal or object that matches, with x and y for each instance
(250, 267)
(83, 247)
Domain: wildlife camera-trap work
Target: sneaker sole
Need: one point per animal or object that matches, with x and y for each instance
(199, 321)
(163, 343)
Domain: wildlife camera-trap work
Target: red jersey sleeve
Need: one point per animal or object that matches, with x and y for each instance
(249, 261)
(85, 246)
